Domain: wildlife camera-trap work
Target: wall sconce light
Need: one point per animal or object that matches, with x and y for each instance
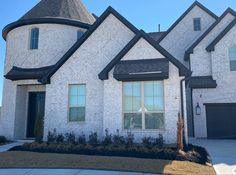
(198, 109)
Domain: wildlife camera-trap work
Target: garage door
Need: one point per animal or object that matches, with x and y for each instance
(221, 121)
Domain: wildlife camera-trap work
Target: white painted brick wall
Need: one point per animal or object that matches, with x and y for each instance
(183, 35)
(226, 81)
(201, 59)
(83, 68)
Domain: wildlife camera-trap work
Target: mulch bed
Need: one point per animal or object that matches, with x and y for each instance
(24, 159)
(192, 153)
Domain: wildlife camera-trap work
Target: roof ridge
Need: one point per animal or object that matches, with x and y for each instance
(196, 3)
(190, 49)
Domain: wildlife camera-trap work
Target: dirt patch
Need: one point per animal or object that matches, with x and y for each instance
(19, 159)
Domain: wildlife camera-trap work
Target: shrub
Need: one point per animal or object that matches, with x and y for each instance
(117, 139)
(82, 139)
(93, 139)
(107, 139)
(52, 136)
(3, 139)
(60, 138)
(159, 142)
(70, 138)
(147, 142)
(129, 139)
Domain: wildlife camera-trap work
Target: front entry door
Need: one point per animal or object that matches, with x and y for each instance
(36, 106)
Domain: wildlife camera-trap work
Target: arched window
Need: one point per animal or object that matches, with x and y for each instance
(232, 58)
(34, 38)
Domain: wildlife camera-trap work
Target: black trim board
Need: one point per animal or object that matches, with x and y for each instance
(69, 53)
(190, 49)
(183, 71)
(211, 46)
(20, 23)
(196, 3)
(219, 104)
(142, 70)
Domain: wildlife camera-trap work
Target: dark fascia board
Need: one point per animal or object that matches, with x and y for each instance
(196, 3)
(20, 23)
(183, 71)
(219, 104)
(70, 52)
(211, 47)
(190, 49)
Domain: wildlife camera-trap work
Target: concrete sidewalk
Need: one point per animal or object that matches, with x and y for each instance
(64, 172)
(222, 152)
(6, 147)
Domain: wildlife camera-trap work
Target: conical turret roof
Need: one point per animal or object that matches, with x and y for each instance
(65, 9)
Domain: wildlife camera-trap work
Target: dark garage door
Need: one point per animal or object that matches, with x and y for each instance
(221, 121)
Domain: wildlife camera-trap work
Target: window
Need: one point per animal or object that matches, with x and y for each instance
(232, 58)
(143, 105)
(77, 98)
(79, 34)
(197, 24)
(34, 38)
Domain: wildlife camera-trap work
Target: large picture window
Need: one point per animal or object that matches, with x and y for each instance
(77, 98)
(143, 105)
(34, 38)
(232, 58)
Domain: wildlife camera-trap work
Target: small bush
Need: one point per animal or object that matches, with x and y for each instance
(107, 139)
(70, 138)
(93, 139)
(82, 139)
(129, 139)
(147, 142)
(3, 139)
(117, 139)
(52, 136)
(60, 138)
(159, 142)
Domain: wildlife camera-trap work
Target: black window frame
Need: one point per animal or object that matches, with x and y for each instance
(34, 38)
(197, 24)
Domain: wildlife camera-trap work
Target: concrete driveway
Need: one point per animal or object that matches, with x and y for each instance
(222, 152)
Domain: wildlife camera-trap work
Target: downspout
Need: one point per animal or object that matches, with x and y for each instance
(182, 104)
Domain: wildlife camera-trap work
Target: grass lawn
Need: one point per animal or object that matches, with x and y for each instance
(20, 159)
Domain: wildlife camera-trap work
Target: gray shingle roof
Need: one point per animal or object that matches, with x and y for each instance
(156, 35)
(138, 70)
(199, 82)
(17, 73)
(66, 9)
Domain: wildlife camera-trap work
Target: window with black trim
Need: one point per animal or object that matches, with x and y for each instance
(232, 58)
(197, 24)
(77, 98)
(34, 38)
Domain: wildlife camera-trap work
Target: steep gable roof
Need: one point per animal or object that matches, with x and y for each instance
(211, 46)
(196, 3)
(69, 53)
(68, 9)
(190, 49)
(141, 34)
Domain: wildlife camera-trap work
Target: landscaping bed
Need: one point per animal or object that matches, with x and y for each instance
(19, 159)
(114, 145)
(193, 153)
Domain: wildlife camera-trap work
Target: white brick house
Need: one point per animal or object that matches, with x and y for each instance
(83, 74)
